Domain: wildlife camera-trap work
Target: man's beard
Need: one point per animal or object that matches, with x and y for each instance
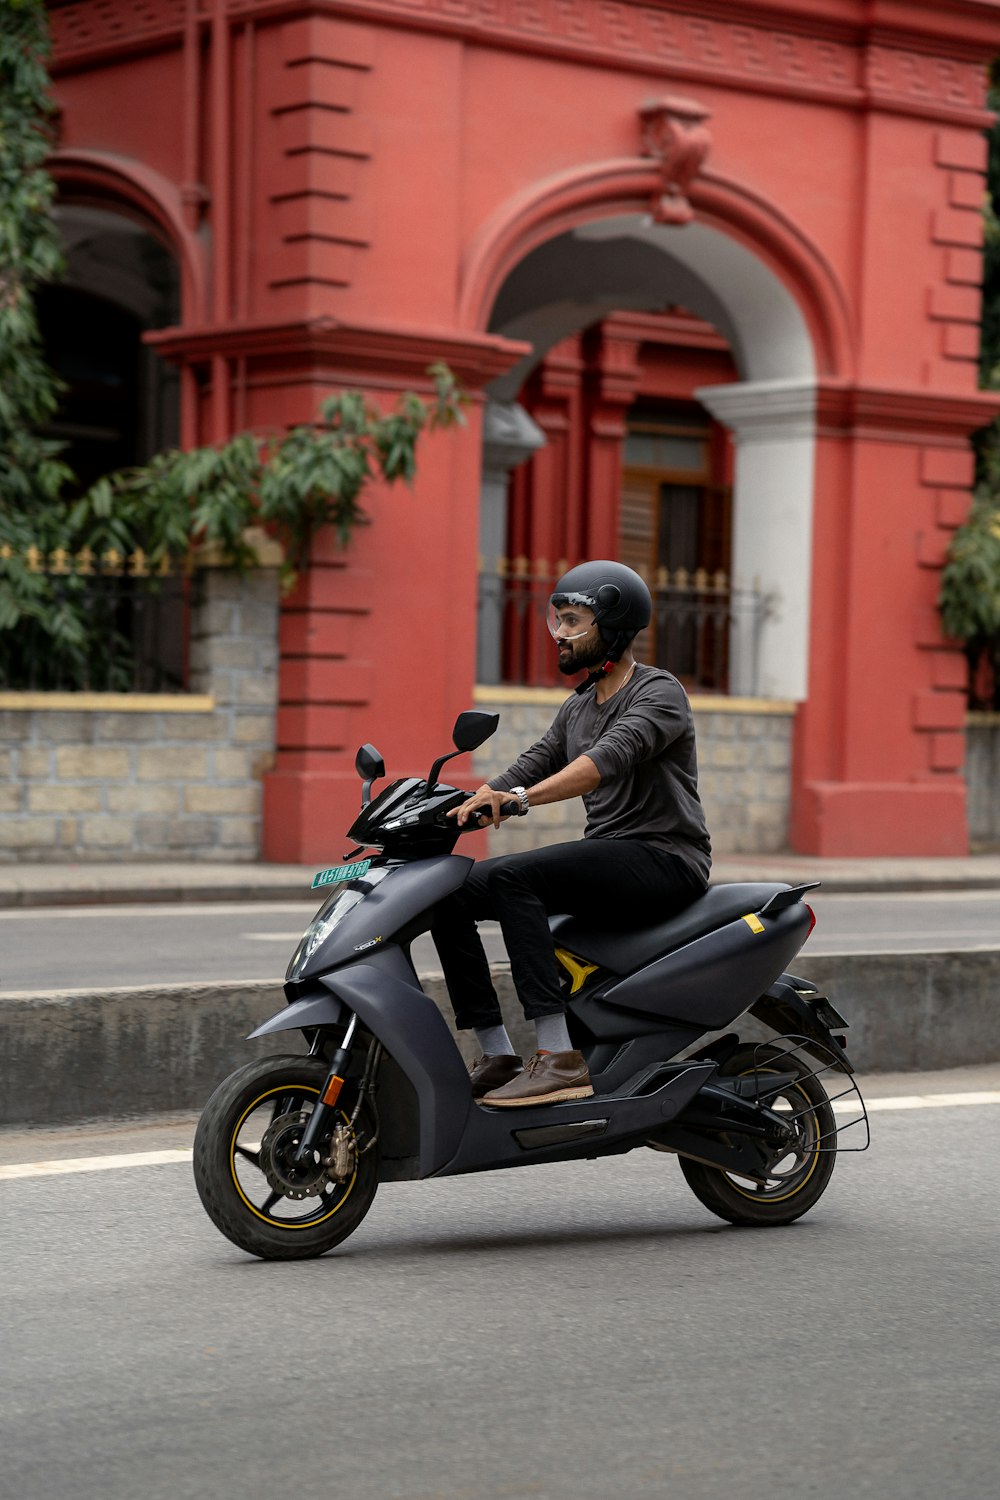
(582, 658)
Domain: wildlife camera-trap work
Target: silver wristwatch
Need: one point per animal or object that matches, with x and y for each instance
(522, 797)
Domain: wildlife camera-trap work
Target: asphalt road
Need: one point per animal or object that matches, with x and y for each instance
(562, 1333)
(93, 946)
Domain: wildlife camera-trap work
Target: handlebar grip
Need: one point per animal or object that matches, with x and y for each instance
(479, 820)
(484, 820)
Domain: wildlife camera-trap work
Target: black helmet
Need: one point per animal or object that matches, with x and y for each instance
(620, 600)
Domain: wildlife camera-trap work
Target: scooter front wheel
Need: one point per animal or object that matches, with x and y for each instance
(798, 1180)
(245, 1169)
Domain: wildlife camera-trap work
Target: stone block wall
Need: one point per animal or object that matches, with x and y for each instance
(744, 772)
(744, 762)
(86, 776)
(147, 777)
(982, 778)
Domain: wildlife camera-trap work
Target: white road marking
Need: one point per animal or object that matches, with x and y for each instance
(920, 1101)
(829, 946)
(18, 1170)
(91, 1164)
(984, 893)
(944, 934)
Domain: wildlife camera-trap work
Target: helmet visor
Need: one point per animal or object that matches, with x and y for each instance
(570, 616)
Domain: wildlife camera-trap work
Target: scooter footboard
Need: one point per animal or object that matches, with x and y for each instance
(597, 1126)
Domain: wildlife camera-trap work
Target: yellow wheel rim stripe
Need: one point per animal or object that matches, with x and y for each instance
(278, 1223)
(782, 1197)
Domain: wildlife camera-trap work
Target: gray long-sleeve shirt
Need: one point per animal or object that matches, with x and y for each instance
(642, 742)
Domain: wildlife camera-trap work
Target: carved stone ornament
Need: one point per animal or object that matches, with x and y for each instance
(674, 132)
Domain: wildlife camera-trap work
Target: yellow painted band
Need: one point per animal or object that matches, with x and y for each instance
(118, 703)
(308, 1224)
(701, 703)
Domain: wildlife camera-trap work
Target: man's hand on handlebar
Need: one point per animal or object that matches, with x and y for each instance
(485, 806)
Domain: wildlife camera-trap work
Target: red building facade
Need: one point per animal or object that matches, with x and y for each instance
(531, 190)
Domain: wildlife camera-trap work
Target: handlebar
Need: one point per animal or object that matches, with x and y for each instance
(483, 819)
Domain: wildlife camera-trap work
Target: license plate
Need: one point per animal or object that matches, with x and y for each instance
(341, 872)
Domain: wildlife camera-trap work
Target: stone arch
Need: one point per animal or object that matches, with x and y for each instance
(132, 267)
(624, 186)
(536, 273)
(133, 189)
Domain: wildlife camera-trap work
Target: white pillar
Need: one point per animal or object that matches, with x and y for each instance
(510, 437)
(773, 424)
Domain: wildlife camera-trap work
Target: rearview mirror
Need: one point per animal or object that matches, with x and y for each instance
(473, 729)
(368, 763)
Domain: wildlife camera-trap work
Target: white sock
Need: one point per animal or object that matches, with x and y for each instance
(494, 1041)
(553, 1033)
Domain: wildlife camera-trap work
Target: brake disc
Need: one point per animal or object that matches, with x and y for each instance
(277, 1151)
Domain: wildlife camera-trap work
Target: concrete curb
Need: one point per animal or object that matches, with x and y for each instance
(128, 886)
(121, 885)
(100, 1054)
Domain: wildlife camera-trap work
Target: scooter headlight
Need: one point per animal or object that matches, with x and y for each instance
(339, 904)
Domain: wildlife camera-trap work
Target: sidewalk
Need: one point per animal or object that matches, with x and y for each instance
(115, 883)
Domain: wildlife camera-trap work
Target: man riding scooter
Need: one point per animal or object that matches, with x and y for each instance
(625, 743)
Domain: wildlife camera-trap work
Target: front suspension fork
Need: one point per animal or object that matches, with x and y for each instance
(321, 1121)
(326, 1106)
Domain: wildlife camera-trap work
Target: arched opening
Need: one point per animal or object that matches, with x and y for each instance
(652, 483)
(118, 407)
(121, 401)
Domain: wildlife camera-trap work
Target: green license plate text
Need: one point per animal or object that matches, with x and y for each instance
(341, 872)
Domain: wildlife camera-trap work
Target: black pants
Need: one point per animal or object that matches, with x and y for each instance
(616, 883)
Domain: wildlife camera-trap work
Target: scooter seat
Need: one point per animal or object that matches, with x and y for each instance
(623, 951)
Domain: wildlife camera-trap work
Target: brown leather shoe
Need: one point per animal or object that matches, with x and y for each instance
(491, 1072)
(548, 1077)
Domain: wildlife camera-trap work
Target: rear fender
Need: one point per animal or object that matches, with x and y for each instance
(809, 1016)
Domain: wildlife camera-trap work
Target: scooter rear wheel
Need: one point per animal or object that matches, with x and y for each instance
(244, 1170)
(801, 1177)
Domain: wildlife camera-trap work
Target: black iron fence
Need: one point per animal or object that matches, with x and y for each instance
(83, 621)
(703, 629)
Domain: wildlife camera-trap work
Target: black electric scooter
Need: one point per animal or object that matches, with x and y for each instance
(290, 1150)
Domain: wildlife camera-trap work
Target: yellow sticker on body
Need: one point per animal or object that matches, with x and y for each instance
(754, 923)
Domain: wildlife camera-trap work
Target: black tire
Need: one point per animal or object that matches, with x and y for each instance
(231, 1176)
(743, 1202)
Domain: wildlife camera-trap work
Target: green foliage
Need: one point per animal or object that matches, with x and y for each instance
(30, 253)
(970, 590)
(970, 582)
(51, 633)
(315, 476)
